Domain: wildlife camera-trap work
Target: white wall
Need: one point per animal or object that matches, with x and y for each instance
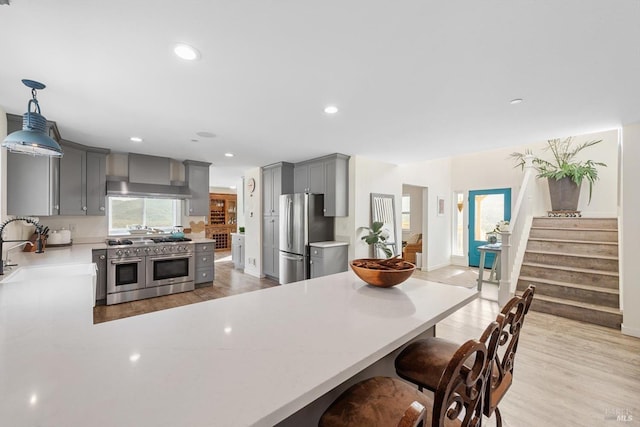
(436, 176)
(370, 176)
(630, 231)
(494, 169)
(253, 225)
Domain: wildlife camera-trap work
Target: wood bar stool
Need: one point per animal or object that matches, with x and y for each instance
(422, 362)
(388, 402)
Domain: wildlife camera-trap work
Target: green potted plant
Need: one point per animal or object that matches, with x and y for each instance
(564, 173)
(378, 238)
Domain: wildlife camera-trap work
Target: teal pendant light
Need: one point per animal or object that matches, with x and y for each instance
(33, 138)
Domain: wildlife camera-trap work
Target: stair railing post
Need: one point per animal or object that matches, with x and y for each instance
(512, 238)
(504, 284)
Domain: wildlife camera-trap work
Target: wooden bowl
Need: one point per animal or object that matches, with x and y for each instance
(382, 278)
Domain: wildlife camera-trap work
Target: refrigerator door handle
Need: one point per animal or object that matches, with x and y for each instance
(293, 257)
(289, 224)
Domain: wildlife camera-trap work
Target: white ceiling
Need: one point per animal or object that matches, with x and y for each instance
(413, 79)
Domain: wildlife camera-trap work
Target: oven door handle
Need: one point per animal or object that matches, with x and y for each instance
(126, 261)
(169, 257)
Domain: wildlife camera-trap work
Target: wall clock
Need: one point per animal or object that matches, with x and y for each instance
(251, 185)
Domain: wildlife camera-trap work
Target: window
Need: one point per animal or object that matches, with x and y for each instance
(406, 212)
(126, 212)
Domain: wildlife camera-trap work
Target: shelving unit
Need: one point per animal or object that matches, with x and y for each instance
(223, 218)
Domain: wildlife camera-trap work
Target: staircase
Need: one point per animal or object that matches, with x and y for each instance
(574, 264)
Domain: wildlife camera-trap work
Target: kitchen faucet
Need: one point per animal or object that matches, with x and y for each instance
(38, 239)
(19, 245)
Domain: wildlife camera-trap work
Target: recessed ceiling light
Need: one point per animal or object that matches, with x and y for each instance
(228, 154)
(186, 52)
(135, 139)
(204, 134)
(515, 101)
(331, 109)
(134, 357)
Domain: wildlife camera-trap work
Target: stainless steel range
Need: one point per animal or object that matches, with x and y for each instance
(138, 269)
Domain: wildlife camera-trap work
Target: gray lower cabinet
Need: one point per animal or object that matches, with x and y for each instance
(197, 176)
(33, 186)
(328, 260)
(99, 258)
(204, 265)
(271, 246)
(237, 250)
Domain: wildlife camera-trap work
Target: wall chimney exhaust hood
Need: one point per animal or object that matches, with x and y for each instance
(150, 177)
(156, 191)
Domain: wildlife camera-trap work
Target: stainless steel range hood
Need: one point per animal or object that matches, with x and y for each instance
(156, 191)
(147, 176)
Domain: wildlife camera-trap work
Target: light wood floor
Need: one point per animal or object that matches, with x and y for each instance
(567, 373)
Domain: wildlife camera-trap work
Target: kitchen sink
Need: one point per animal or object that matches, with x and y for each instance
(47, 272)
(22, 274)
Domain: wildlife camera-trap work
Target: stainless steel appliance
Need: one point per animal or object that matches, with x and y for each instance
(149, 268)
(301, 222)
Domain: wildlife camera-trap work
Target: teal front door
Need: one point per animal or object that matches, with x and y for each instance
(486, 208)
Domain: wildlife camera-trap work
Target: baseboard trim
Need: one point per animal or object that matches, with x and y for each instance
(634, 332)
(435, 267)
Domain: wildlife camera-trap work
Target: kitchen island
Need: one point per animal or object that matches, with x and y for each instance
(249, 359)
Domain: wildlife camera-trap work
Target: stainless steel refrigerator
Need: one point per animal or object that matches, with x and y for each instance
(301, 222)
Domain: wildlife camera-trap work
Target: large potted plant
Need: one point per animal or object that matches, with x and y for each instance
(564, 173)
(377, 237)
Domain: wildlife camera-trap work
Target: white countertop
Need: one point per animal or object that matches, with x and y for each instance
(248, 359)
(74, 254)
(330, 244)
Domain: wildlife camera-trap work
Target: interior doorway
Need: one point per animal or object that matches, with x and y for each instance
(414, 213)
(486, 209)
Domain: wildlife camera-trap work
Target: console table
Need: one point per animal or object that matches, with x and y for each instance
(494, 276)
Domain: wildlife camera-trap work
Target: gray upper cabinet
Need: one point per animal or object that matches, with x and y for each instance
(309, 178)
(336, 196)
(277, 179)
(327, 175)
(271, 178)
(32, 181)
(83, 184)
(73, 180)
(197, 175)
(96, 183)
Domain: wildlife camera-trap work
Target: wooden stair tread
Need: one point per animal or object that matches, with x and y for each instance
(574, 269)
(537, 227)
(584, 305)
(581, 218)
(588, 256)
(591, 242)
(570, 285)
